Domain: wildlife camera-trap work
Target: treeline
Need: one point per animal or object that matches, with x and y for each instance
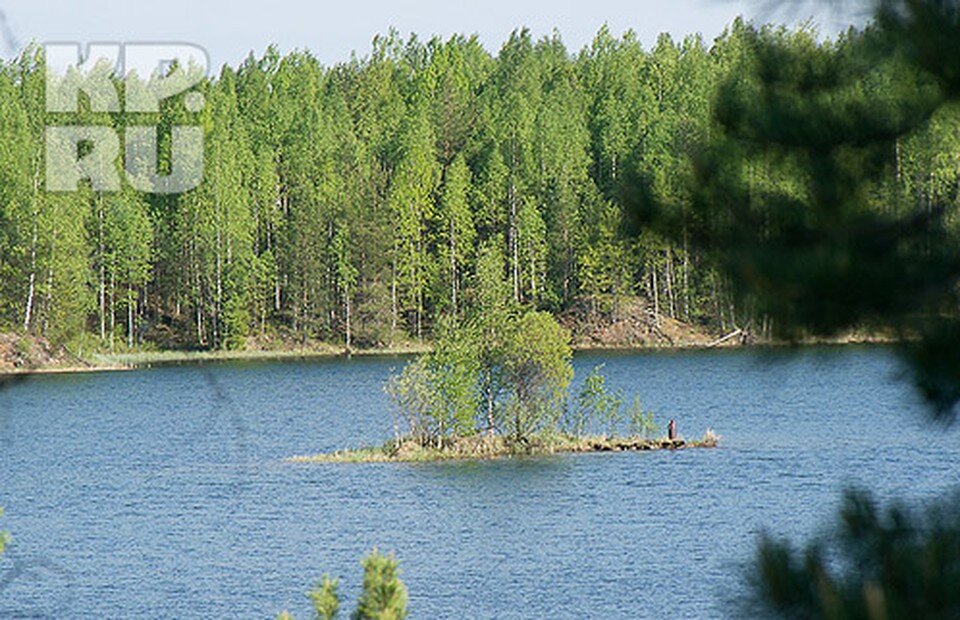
(350, 203)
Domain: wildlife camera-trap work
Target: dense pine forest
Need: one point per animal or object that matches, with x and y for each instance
(350, 204)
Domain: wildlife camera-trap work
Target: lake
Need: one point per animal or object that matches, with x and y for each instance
(163, 493)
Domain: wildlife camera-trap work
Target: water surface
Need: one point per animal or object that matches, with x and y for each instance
(163, 493)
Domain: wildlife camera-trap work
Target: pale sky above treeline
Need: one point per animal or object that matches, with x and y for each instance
(332, 30)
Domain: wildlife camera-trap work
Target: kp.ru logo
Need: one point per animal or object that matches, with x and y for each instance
(151, 73)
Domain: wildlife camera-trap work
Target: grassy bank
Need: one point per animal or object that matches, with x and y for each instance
(149, 358)
(480, 447)
(41, 358)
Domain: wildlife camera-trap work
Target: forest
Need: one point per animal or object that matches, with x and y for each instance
(350, 204)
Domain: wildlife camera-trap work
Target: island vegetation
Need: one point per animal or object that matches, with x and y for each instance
(497, 383)
(489, 447)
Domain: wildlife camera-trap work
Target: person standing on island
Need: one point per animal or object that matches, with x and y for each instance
(672, 430)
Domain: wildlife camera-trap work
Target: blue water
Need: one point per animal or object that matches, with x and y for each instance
(163, 493)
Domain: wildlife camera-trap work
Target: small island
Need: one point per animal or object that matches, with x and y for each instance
(497, 384)
(482, 447)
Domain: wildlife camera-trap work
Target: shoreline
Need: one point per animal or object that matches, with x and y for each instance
(496, 447)
(107, 362)
(147, 359)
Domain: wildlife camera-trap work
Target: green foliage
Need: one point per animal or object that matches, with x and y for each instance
(515, 380)
(606, 266)
(596, 405)
(503, 372)
(642, 423)
(536, 372)
(458, 234)
(125, 239)
(384, 596)
(455, 360)
(810, 201)
(889, 563)
(412, 393)
(492, 298)
(494, 309)
(362, 202)
(326, 602)
(437, 393)
(236, 307)
(411, 202)
(264, 274)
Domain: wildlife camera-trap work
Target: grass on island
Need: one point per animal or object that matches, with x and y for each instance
(485, 446)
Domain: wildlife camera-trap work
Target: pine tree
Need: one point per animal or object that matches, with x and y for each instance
(384, 596)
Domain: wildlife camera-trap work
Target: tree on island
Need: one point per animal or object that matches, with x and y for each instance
(448, 392)
(594, 403)
(503, 371)
(511, 381)
(537, 373)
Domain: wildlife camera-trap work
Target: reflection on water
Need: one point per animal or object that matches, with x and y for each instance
(163, 493)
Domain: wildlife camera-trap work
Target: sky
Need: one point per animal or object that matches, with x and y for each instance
(332, 30)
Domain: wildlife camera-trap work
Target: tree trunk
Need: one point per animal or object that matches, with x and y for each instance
(567, 266)
(34, 239)
(419, 281)
(113, 309)
(420, 315)
(453, 270)
(491, 424)
(656, 296)
(668, 280)
(129, 318)
(717, 307)
(218, 304)
(103, 278)
(32, 286)
(346, 302)
(393, 292)
(514, 242)
(896, 159)
(199, 301)
(686, 276)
